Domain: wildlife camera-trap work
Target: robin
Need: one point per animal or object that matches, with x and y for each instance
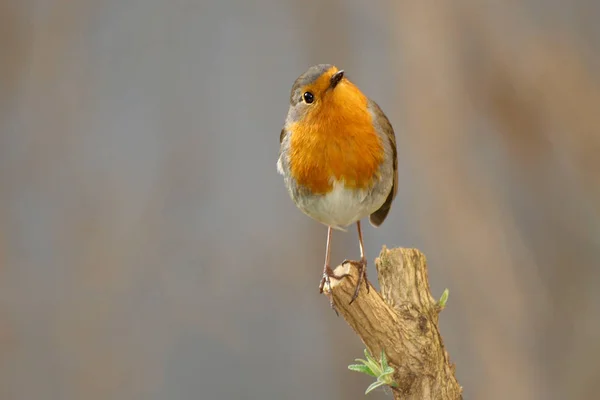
(338, 158)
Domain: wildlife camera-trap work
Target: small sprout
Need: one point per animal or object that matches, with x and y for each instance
(444, 299)
(380, 370)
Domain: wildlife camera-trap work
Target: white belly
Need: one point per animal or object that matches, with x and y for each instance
(341, 207)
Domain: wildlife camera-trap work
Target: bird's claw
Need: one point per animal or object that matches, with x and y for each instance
(361, 265)
(326, 280)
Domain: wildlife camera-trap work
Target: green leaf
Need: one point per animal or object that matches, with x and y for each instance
(369, 363)
(362, 368)
(369, 356)
(373, 364)
(377, 369)
(374, 386)
(384, 363)
(444, 299)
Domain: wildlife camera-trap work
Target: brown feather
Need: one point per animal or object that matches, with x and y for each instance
(379, 216)
(282, 135)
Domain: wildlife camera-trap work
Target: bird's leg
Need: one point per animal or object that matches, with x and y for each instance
(361, 265)
(327, 271)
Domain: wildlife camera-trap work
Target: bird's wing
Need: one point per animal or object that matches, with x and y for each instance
(379, 216)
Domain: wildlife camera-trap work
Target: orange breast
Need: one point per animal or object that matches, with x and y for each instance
(336, 140)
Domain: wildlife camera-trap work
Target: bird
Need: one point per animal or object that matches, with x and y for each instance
(338, 159)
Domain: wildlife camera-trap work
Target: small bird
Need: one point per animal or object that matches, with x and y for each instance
(338, 158)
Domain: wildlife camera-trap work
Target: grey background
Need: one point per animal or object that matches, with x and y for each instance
(148, 249)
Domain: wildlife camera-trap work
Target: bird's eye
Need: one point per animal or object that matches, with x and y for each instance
(308, 97)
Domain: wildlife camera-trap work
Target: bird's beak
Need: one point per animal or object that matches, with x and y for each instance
(336, 78)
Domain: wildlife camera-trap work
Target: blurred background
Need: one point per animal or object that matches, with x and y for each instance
(149, 250)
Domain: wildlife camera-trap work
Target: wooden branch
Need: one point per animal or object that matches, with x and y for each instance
(402, 321)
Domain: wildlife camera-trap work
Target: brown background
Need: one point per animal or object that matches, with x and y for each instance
(148, 249)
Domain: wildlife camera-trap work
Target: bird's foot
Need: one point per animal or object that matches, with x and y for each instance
(326, 280)
(361, 265)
